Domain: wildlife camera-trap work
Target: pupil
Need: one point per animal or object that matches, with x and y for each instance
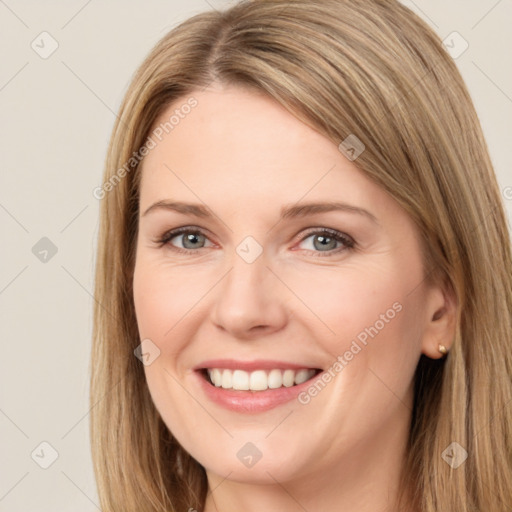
(326, 242)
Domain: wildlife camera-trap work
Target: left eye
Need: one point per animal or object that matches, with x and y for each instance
(326, 241)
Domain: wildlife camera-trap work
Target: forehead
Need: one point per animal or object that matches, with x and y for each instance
(236, 143)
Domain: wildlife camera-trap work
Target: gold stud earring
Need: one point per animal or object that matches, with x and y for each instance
(442, 349)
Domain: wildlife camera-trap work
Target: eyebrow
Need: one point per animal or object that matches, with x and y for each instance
(287, 211)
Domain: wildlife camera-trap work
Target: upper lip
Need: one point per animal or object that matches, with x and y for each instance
(255, 364)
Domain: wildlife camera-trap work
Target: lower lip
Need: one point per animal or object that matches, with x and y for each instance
(251, 401)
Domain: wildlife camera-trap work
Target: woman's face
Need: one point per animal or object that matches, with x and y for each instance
(288, 262)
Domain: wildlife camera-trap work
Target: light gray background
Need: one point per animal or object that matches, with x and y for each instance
(57, 115)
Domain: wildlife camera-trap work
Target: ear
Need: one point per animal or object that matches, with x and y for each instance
(440, 320)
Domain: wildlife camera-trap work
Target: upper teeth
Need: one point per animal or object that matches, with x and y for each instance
(258, 380)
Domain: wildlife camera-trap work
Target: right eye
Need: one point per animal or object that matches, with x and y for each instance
(185, 239)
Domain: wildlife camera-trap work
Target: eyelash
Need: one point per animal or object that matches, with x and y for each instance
(347, 241)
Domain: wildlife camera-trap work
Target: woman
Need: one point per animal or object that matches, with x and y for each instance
(302, 241)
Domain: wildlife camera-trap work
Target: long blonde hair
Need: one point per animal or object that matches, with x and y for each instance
(369, 68)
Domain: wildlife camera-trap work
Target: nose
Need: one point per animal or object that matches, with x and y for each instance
(250, 300)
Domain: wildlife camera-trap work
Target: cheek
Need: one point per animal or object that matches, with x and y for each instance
(354, 301)
(374, 326)
(164, 301)
(375, 350)
(165, 297)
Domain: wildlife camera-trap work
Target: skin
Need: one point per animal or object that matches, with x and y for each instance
(245, 157)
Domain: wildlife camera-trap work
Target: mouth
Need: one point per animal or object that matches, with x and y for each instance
(257, 380)
(252, 387)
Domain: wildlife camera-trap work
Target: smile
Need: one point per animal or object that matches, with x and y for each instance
(252, 387)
